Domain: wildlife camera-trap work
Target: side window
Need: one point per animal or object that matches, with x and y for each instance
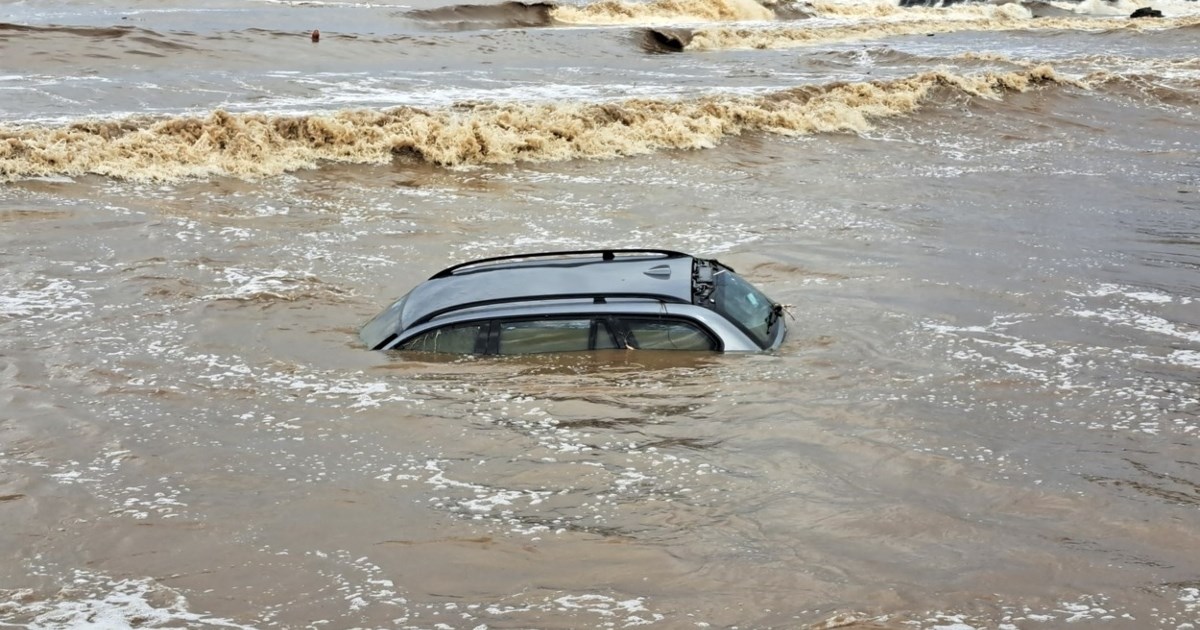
(552, 335)
(604, 339)
(667, 334)
(453, 339)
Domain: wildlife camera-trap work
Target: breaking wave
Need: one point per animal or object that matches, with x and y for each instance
(1004, 18)
(663, 11)
(963, 8)
(916, 9)
(515, 14)
(251, 146)
(503, 15)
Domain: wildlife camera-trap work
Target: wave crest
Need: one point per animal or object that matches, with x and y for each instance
(257, 145)
(1000, 19)
(510, 14)
(662, 11)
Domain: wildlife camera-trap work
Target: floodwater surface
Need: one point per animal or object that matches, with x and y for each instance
(985, 220)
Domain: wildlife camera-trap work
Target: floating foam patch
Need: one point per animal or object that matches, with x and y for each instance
(92, 600)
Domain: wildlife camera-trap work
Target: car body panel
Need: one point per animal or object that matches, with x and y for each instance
(642, 284)
(733, 338)
(669, 279)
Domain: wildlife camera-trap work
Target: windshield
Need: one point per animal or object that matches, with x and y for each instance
(748, 307)
(383, 327)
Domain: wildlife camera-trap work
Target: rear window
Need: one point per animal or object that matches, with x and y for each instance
(454, 339)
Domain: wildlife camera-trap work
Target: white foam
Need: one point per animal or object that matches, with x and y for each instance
(96, 601)
(1186, 358)
(1122, 8)
(247, 285)
(336, 92)
(1135, 294)
(1141, 321)
(56, 300)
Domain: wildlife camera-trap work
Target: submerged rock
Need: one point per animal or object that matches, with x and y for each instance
(1146, 12)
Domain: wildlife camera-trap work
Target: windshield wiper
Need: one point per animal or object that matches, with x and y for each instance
(774, 315)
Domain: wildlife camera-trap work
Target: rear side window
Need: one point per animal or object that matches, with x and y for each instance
(668, 334)
(552, 335)
(455, 339)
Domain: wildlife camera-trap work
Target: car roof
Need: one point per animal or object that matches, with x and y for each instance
(661, 275)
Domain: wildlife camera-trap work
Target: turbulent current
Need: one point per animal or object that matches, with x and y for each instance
(984, 217)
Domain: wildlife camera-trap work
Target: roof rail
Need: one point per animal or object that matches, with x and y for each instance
(540, 298)
(605, 254)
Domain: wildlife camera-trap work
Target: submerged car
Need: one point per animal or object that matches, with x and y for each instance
(578, 301)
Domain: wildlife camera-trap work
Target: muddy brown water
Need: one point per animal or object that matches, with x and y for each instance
(986, 413)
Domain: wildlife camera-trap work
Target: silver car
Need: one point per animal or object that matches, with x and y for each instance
(579, 301)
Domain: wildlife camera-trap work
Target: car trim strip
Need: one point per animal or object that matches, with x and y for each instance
(556, 297)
